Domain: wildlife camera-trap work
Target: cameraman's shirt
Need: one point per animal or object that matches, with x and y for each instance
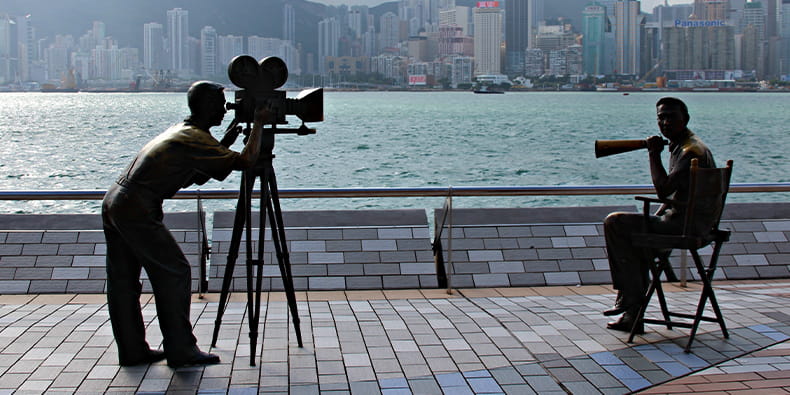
(170, 161)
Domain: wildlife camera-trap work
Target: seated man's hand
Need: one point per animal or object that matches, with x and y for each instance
(655, 144)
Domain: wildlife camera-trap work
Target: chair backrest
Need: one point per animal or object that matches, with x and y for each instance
(708, 190)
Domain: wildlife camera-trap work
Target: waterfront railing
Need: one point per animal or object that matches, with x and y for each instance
(471, 191)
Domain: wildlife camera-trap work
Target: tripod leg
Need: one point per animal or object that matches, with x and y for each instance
(281, 248)
(233, 254)
(254, 306)
(251, 263)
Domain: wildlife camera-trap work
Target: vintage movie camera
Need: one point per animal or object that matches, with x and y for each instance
(259, 81)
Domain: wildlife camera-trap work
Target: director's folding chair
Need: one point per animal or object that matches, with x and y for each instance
(707, 193)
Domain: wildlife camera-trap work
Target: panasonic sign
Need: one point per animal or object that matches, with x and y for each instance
(682, 23)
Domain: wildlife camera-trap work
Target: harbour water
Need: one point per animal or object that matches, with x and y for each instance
(82, 141)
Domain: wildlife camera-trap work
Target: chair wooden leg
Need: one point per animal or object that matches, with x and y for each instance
(660, 291)
(707, 292)
(714, 303)
(655, 285)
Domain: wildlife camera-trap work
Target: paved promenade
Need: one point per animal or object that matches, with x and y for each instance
(547, 340)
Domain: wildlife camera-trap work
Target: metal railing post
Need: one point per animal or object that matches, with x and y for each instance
(450, 267)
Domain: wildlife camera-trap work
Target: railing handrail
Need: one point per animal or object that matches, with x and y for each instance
(562, 190)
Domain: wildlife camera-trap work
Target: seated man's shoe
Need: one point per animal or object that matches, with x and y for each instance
(199, 358)
(151, 356)
(626, 322)
(618, 308)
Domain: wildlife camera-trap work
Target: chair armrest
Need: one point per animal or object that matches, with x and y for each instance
(659, 200)
(649, 199)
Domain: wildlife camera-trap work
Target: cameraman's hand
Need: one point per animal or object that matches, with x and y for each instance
(655, 144)
(230, 136)
(264, 114)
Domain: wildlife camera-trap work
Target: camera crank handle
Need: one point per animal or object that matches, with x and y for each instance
(304, 130)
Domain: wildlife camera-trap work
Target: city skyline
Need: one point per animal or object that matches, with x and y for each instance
(419, 43)
(647, 5)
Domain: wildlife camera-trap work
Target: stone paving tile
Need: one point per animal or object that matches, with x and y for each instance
(473, 341)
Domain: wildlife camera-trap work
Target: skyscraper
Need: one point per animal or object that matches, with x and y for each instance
(627, 27)
(594, 41)
(357, 20)
(8, 49)
(389, 30)
(289, 24)
(229, 47)
(488, 40)
(153, 46)
(784, 32)
(328, 36)
(27, 47)
(178, 39)
(699, 48)
(208, 52)
(711, 10)
(754, 50)
(519, 32)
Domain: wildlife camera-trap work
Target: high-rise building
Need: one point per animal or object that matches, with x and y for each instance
(208, 52)
(262, 47)
(153, 46)
(357, 20)
(107, 59)
(452, 41)
(457, 16)
(389, 31)
(328, 36)
(554, 37)
(57, 57)
(666, 15)
(699, 48)
(534, 62)
(784, 33)
(773, 9)
(488, 40)
(710, 10)
(627, 26)
(594, 41)
(8, 49)
(178, 40)
(99, 31)
(754, 14)
(26, 37)
(229, 47)
(289, 23)
(462, 70)
(521, 22)
(754, 48)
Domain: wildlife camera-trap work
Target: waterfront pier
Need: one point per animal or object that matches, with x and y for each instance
(522, 316)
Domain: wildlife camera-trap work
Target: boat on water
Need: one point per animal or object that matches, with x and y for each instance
(486, 90)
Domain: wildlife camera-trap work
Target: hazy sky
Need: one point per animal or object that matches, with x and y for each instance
(647, 5)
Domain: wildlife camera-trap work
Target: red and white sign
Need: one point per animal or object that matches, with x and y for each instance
(418, 79)
(487, 4)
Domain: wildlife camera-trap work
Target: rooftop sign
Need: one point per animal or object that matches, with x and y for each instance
(682, 23)
(487, 4)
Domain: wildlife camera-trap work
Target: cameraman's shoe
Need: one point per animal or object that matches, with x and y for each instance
(150, 356)
(199, 358)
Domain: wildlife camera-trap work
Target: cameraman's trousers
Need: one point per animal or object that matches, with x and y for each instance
(136, 239)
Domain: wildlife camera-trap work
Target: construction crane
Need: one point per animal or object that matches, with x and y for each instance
(650, 72)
